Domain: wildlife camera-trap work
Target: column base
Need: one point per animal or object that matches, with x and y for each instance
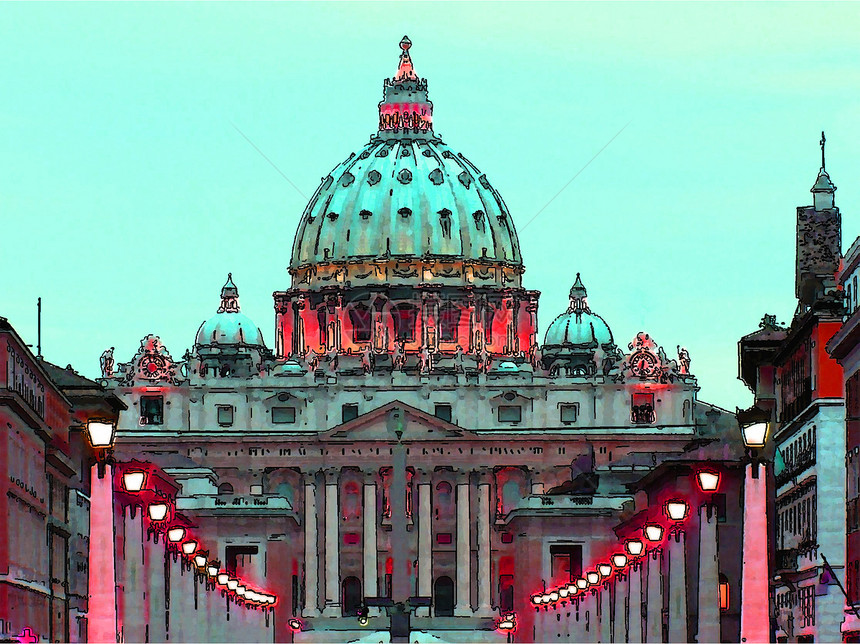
(485, 611)
(332, 610)
(463, 611)
(422, 611)
(310, 612)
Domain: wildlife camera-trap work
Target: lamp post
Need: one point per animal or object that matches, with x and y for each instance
(634, 549)
(755, 603)
(709, 567)
(677, 510)
(101, 615)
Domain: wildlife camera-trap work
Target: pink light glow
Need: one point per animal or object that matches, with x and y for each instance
(102, 583)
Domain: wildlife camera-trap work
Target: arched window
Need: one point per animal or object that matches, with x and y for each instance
(351, 501)
(444, 500)
(225, 488)
(449, 322)
(360, 316)
(404, 322)
(443, 597)
(351, 596)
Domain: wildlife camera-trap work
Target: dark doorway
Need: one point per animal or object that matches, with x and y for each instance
(443, 597)
(351, 596)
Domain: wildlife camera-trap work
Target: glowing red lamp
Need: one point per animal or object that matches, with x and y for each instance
(604, 569)
(223, 577)
(536, 600)
(232, 584)
(157, 511)
(295, 624)
(133, 481)
(619, 560)
(708, 480)
(563, 592)
(553, 596)
(676, 509)
(240, 590)
(581, 584)
(508, 623)
(592, 577)
(189, 547)
(212, 569)
(634, 547)
(653, 532)
(175, 535)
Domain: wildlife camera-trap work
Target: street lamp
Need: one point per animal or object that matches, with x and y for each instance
(708, 480)
(755, 602)
(189, 547)
(634, 547)
(581, 583)
(604, 569)
(175, 535)
(133, 481)
(676, 510)
(223, 577)
(102, 565)
(619, 560)
(653, 532)
(592, 577)
(157, 511)
(232, 584)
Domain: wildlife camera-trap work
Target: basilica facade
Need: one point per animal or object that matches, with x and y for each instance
(407, 435)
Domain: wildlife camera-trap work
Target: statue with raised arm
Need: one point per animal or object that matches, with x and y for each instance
(106, 362)
(367, 358)
(684, 360)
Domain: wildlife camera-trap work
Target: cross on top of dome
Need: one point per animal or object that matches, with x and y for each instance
(405, 111)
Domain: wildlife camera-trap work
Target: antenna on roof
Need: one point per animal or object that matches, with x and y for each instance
(821, 143)
(39, 328)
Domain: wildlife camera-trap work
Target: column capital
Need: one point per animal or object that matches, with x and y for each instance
(332, 475)
(484, 476)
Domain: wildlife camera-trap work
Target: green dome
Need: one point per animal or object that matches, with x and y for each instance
(578, 330)
(405, 197)
(229, 329)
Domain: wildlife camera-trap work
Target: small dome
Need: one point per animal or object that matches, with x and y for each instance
(230, 329)
(229, 326)
(582, 329)
(578, 327)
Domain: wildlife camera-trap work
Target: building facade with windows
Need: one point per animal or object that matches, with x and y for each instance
(410, 435)
(799, 387)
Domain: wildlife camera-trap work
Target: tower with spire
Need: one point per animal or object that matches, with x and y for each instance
(819, 241)
(405, 108)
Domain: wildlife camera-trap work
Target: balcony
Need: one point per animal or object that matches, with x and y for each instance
(786, 560)
(803, 461)
(790, 410)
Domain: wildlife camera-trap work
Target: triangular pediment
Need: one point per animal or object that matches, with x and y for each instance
(386, 422)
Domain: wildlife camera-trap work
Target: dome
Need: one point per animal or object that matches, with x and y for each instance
(582, 329)
(578, 327)
(229, 326)
(405, 195)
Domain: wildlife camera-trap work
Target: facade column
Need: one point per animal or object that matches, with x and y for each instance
(312, 564)
(709, 577)
(425, 545)
(755, 616)
(332, 545)
(654, 598)
(634, 632)
(133, 623)
(463, 606)
(483, 535)
(677, 587)
(605, 632)
(619, 617)
(592, 623)
(577, 619)
(371, 564)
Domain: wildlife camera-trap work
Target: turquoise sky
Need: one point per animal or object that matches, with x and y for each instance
(126, 195)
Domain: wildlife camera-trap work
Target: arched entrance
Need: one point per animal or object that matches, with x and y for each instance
(351, 596)
(443, 597)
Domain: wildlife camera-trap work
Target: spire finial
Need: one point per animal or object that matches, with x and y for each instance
(405, 70)
(577, 296)
(229, 296)
(821, 143)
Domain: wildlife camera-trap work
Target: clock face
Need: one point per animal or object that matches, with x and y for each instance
(643, 363)
(153, 367)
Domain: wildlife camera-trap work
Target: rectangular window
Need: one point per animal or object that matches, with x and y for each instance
(283, 415)
(225, 415)
(238, 557)
(152, 410)
(443, 411)
(566, 563)
(510, 413)
(507, 537)
(349, 412)
(569, 413)
(642, 409)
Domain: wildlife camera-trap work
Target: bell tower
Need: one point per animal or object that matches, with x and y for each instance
(819, 241)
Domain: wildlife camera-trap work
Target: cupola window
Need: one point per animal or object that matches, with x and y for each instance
(373, 177)
(436, 177)
(510, 413)
(642, 409)
(365, 214)
(283, 415)
(404, 316)
(225, 415)
(404, 212)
